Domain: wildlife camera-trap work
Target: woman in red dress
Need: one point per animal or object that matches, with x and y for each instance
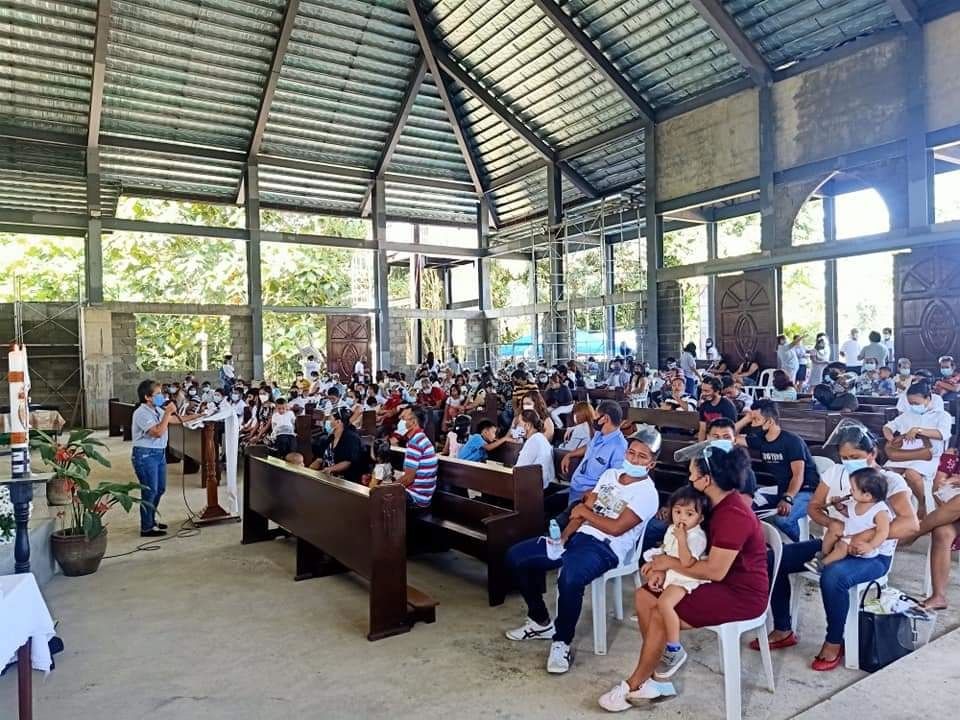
(736, 568)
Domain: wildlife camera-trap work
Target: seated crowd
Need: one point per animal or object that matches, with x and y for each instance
(705, 561)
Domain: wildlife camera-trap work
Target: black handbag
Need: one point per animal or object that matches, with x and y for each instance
(885, 638)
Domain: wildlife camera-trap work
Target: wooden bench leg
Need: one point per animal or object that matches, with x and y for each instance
(313, 562)
(25, 682)
(498, 581)
(254, 527)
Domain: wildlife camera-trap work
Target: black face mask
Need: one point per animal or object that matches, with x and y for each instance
(598, 424)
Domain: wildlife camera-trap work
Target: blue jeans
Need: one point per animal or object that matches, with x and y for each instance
(150, 466)
(835, 583)
(583, 561)
(789, 524)
(690, 386)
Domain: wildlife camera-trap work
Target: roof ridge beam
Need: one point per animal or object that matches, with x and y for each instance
(270, 89)
(595, 57)
(737, 42)
(427, 47)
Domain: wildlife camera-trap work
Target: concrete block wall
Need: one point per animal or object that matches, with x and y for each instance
(126, 376)
(670, 320)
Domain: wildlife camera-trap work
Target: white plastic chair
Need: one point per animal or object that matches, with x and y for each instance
(729, 635)
(851, 626)
(598, 594)
(823, 464)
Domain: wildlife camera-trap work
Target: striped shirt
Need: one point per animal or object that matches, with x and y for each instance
(421, 457)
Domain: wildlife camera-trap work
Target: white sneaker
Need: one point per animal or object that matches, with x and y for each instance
(615, 700)
(560, 657)
(621, 697)
(531, 630)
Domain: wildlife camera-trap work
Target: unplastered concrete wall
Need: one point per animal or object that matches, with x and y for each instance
(708, 147)
(943, 72)
(853, 103)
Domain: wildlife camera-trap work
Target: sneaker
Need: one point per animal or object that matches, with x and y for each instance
(815, 565)
(531, 630)
(560, 658)
(670, 662)
(155, 532)
(651, 690)
(620, 697)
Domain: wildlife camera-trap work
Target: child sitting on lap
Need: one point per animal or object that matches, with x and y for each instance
(686, 541)
(867, 519)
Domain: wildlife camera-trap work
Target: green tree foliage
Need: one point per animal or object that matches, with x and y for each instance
(177, 342)
(47, 268)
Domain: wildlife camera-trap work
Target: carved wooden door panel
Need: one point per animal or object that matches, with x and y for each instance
(926, 305)
(746, 307)
(348, 339)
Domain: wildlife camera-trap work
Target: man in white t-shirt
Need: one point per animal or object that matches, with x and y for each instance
(359, 370)
(850, 350)
(603, 530)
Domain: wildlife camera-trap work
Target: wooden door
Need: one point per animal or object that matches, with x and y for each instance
(746, 307)
(926, 305)
(348, 339)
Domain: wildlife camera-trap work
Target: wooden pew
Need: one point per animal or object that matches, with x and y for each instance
(476, 527)
(120, 419)
(557, 494)
(489, 411)
(339, 526)
(675, 421)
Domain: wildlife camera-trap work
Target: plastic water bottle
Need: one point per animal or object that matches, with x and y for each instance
(554, 546)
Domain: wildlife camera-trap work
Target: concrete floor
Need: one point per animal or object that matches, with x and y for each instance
(205, 627)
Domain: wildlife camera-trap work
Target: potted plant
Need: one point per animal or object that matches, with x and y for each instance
(70, 461)
(79, 548)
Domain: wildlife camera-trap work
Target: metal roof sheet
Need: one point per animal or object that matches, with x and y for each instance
(147, 171)
(615, 164)
(342, 81)
(518, 54)
(295, 188)
(430, 204)
(427, 145)
(787, 31)
(527, 197)
(46, 63)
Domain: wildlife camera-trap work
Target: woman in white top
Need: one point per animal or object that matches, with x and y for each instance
(782, 389)
(857, 450)
(536, 448)
(820, 357)
(582, 431)
(908, 436)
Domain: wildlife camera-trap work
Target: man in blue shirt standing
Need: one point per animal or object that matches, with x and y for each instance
(604, 451)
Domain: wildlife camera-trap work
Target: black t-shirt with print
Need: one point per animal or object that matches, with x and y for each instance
(778, 454)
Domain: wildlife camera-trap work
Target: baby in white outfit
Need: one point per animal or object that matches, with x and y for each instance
(867, 522)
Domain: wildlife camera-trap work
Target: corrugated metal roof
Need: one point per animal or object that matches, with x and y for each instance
(189, 70)
(527, 197)
(664, 48)
(408, 201)
(147, 171)
(787, 31)
(293, 188)
(427, 145)
(342, 81)
(615, 164)
(528, 64)
(46, 63)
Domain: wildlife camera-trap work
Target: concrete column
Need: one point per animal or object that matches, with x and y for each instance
(609, 316)
(93, 246)
(416, 298)
(831, 320)
(97, 325)
(379, 218)
(483, 279)
(712, 283)
(918, 160)
(254, 285)
(768, 235)
(654, 248)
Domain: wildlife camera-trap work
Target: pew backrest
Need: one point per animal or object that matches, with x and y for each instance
(682, 420)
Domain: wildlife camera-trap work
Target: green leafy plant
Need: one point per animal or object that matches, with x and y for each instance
(70, 461)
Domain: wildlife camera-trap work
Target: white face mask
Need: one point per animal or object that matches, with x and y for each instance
(264, 398)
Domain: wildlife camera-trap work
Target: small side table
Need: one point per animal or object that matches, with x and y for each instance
(21, 493)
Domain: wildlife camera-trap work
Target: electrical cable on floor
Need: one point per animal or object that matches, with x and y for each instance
(188, 528)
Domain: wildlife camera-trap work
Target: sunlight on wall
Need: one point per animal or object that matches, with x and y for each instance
(861, 213)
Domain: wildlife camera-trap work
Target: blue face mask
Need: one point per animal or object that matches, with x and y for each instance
(946, 372)
(328, 426)
(918, 409)
(402, 427)
(724, 445)
(635, 471)
(904, 372)
(855, 464)
(159, 401)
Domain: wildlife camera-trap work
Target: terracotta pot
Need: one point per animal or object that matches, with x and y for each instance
(58, 491)
(76, 555)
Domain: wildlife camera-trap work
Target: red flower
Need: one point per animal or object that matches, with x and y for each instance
(101, 507)
(62, 455)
